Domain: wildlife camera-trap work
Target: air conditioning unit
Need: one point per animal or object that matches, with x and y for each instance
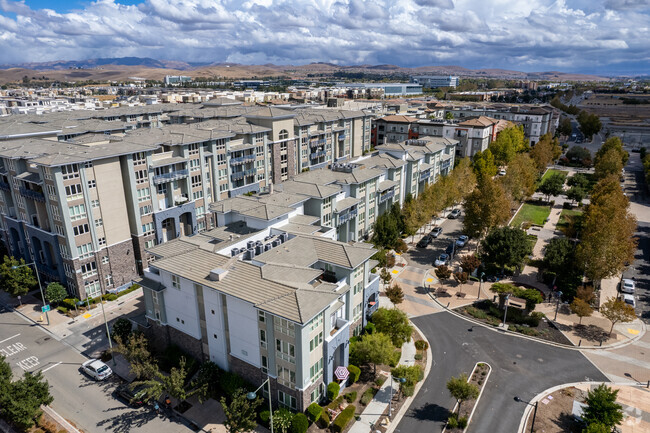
(234, 252)
(267, 247)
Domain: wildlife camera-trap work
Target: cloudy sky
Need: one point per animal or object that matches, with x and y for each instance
(593, 36)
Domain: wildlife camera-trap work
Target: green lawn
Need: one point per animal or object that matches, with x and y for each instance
(566, 212)
(535, 213)
(553, 171)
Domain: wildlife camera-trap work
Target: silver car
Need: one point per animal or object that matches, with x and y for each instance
(443, 259)
(96, 369)
(627, 286)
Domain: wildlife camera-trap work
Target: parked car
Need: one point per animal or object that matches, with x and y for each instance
(132, 396)
(426, 240)
(436, 232)
(502, 172)
(629, 299)
(451, 249)
(454, 214)
(461, 241)
(443, 259)
(627, 286)
(96, 369)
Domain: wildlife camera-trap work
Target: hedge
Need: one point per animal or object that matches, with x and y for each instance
(324, 420)
(314, 412)
(343, 419)
(299, 423)
(333, 389)
(350, 396)
(368, 395)
(265, 416)
(355, 373)
(421, 345)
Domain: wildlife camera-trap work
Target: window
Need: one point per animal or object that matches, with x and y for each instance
(80, 229)
(259, 150)
(144, 194)
(51, 190)
(194, 149)
(221, 158)
(94, 203)
(223, 187)
(358, 288)
(286, 377)
(92, 184)
(316, 370)
(316, 394)
(150, 244)
(263, 338)
(265, 365)
(109, 280)
(316, 322)
(356, 312)
(287, 400)
(141, 176)
(223, 173)
(200, 211)
(316, 341)
(77, 212)
(88, 164)
(99, 222)
(148, 229)
(59, 230)
(105, 260)
(70, 171)
(176, 282)
(85, 251)
(73, 192)
(285, 327)
(139, 158)
(197, 194)
(88, 270)
(196, 181)
(195, 164)
(101, 241)
(261, 317)
(283, 158)
(146, 210)
(92, 288)
(285, 351)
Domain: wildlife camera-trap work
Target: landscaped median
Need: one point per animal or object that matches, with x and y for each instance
(467, 391)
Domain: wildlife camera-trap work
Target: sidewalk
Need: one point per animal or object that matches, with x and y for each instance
(379, 404)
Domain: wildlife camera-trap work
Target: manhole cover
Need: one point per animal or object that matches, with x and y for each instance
(43, 340)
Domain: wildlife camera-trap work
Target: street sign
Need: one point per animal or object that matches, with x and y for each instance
(45, 308)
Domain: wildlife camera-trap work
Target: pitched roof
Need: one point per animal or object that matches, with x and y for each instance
(398, 118)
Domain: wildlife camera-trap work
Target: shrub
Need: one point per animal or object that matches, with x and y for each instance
(452, 421)
(396, 356)
(370, 328)
(418, 357)
(299, 423)
(350, 396)
(333, 389)
(355, 373)
(401, 246)
(111, 297)
(462, 422)
(62, 309)
(122, 328)
(133, 288)
(231, 382)
(407, 390)
(343, 419)
(421, 345)
(265, 416)
(324, 420)
(368, 395)
(314, 412)
(380, 381)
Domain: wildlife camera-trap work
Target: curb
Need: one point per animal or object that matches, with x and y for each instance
(539, 340)
(469, 418)
(64, 423)
(524, 419)
(409, 400)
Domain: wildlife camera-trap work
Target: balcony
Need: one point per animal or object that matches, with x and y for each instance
(318, 154)
(242, 174)
(316, 143)
(30, 193)
(242, 159)
(168, 177)
(342, 137)
(347, 216)
(386, 196)
(424, 175)
(339, 325)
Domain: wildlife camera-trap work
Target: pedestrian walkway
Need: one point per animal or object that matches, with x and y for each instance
(380, 402)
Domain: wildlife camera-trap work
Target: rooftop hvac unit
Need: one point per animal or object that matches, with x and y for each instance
(276, 242)
(284, 236)
(267, 238)
(259, 249)
(258, 243)
(250, 244)
(251, 253)
(234, 252)
(267, 247)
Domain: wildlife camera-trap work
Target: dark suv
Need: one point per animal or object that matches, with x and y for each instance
(424, 242)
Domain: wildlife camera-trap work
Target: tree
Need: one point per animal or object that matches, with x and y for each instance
(545, 151)
(385, 276)
(386, 232)
(469, 263)
(608, 163)
(55, 293)
(579, 154)
(505, 246)
(20, 401)
(558, 254)
(576, 194)
(552, 185)
(580, 308)
(241, 413)
(122, 329)
(484, 166)
(299, 423)
(602, 407)
(586, 293)
(596, 428)
(590, 124)
(565, 127)
(579, 180)
(15, 278)
(395, 294)
(615, 144)
(136, 351)
(461, 181)
(521, 177)
(531, 296)
(443, 273)
(375, 348)
(461, 278)
(615, 310)
(462, 390)
(509, 142)
(485, 208)
(394, 323)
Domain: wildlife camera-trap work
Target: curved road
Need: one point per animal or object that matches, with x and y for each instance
(521, 368)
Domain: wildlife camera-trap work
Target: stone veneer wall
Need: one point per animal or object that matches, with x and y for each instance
(162, 336)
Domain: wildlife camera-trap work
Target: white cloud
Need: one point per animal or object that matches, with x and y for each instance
(531, 34)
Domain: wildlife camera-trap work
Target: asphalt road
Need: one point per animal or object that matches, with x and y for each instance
(424, 257)
(521, 368)
(88, 404)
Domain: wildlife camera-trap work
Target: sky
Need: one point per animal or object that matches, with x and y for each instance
(589, 36)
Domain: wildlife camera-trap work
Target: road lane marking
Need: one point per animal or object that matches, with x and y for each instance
(87, 315)
(51, 366)
(27, 363)
(7, 339)
(395, 271)
(633, 331)
(12, 349)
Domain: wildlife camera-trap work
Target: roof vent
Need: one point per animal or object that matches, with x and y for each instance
(218, 274)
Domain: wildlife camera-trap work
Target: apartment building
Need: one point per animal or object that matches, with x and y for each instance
(435, 81)
(393, 129)
(268, 304)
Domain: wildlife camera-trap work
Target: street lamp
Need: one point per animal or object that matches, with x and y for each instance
(390, 402)
(253, 395)
(557, 307)
(480, 286)
(38, 278)
(506, 312)
(108, 332)
(532, 426)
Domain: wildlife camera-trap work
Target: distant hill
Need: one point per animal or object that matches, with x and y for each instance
(123, 67)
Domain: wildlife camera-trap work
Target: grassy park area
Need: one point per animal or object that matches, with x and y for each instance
(533, 213)
(553, 171)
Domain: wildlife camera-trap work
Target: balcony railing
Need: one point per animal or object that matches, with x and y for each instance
(242, 159)
(242, 174)
(168, 177)
(424, 175)
(342, 137)
(318, 154)
(386, 196)
(347, 216)
(339, 325)
(30, 193)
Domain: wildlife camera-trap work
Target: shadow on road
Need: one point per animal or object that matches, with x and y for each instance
(430, 412)
(126, 422)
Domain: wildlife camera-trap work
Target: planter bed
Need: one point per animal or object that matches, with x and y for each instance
(479, 377)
